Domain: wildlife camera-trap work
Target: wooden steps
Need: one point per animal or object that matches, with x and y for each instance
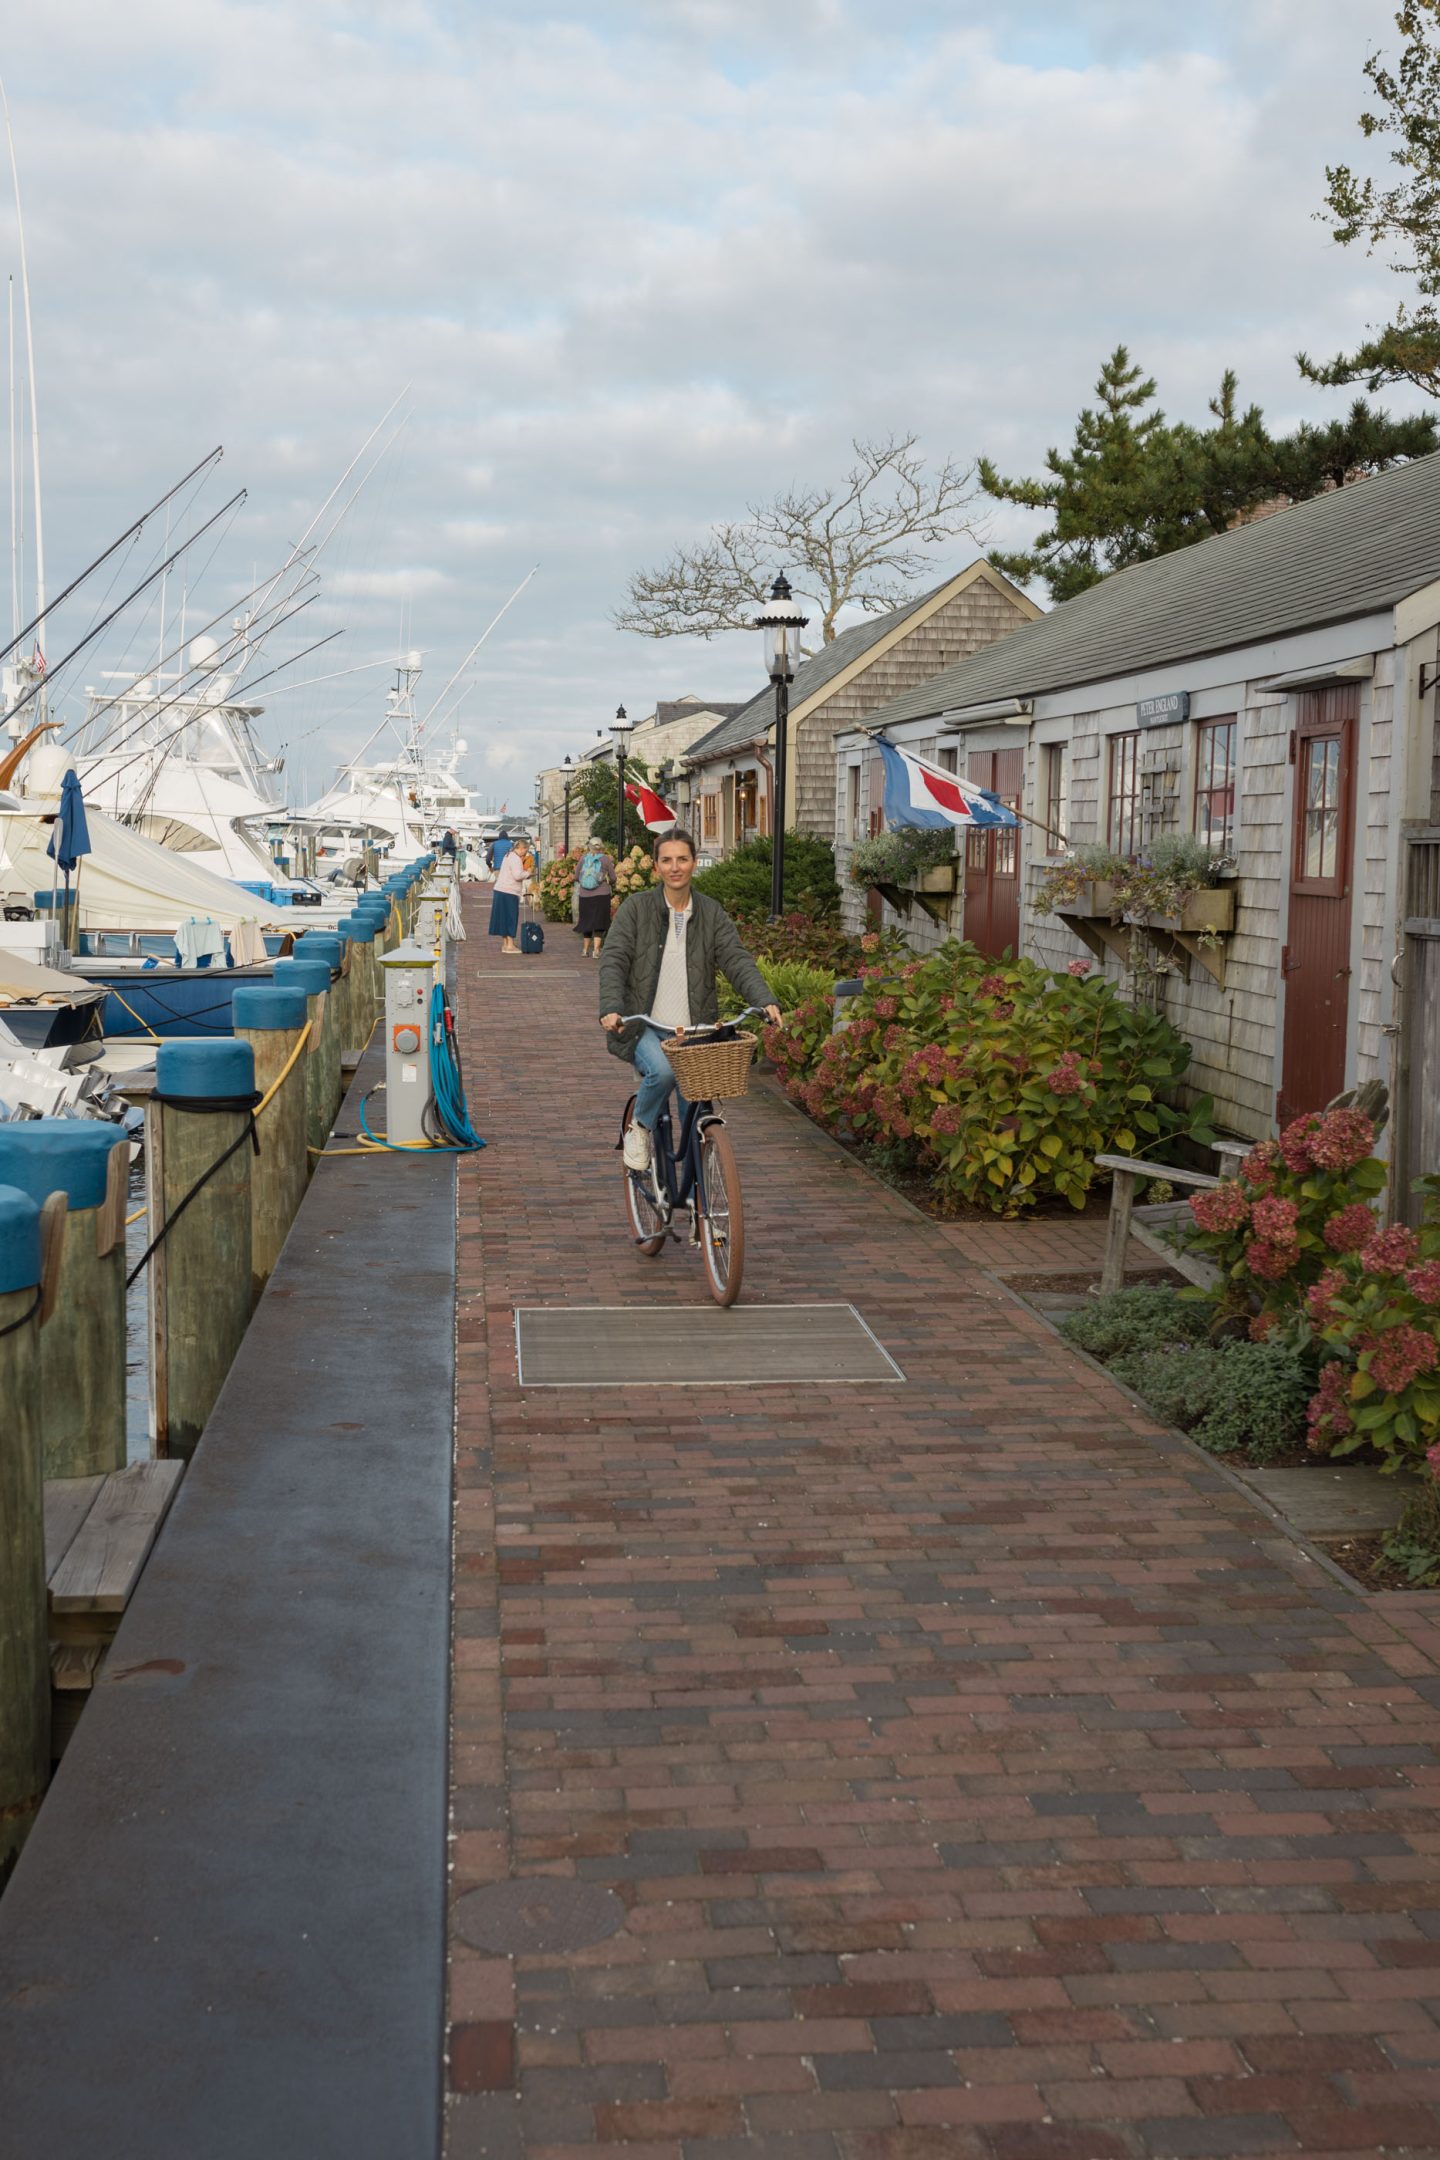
(98, 1535)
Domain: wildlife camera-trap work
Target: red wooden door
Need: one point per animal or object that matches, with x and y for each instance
(1315, 960)
(992, 859)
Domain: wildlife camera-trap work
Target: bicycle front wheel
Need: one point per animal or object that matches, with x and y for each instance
(722, 1225)
(647, 1224)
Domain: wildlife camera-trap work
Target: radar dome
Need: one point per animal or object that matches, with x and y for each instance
(461, 747)
(204, 652)
(413, 659)
(143, 687)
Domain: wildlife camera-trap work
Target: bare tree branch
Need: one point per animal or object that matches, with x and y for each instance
(861, 543)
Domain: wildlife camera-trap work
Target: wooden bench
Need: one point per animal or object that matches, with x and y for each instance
(98, 1535)
(1126, 1173)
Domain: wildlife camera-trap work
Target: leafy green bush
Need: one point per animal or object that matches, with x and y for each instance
(792, 983)
(1147, 1317)
(1004, 1080)
(1376, 1316)
(742, 882)
(1232, 1397)
(1414, 1543)
(820, 943)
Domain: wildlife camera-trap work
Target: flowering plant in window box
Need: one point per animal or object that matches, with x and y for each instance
(913, 855)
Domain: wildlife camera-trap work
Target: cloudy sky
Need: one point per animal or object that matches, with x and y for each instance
(638, 262)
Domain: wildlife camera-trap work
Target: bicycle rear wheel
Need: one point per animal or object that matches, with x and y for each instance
(722, 1224)
(647, 1224)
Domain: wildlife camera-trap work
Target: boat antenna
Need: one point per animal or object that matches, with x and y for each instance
(479, 642)
(30, 370)
(91, 635)
(124, 539)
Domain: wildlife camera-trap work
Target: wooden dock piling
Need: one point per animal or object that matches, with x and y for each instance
(200, 1297)
(272, 1020)
(313, 978)
(24, 1628)
(82, 1347)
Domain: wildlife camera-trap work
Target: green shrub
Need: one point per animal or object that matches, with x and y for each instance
(820, 943)
(900, 855)
(1149, 1317)
(742, 882)
(1001, 1078)
(792, 983)
(1414, 1543)
(1232, 1398)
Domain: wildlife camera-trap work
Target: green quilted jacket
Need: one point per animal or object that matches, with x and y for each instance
(635, 943)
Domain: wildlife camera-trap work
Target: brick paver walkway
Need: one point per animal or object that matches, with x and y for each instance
(980, 1775)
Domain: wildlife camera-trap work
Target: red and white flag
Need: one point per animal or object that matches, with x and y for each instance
(655, 815)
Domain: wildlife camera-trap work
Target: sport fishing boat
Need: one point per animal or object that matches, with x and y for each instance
(403, 804)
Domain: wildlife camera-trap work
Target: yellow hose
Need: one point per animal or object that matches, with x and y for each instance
(274, 1088)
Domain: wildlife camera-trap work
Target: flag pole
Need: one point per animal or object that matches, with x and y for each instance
(1024, 817)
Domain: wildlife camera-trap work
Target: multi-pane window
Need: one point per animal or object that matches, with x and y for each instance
(1057, 796)
(1122, 830)
(1319, 807)
(1215, 784)
(709, 811)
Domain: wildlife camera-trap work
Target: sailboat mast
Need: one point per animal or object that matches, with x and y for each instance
(14, 503)
(30, 371)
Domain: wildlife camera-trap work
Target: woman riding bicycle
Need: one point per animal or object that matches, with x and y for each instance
(663, 955)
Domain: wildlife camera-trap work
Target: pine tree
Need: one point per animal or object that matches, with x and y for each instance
(1134, 486)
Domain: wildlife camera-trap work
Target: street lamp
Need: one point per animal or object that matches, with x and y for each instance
(567, 766)
(621, 730)
(782, 624)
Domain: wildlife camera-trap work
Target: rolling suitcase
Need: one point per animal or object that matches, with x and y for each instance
(532, 937)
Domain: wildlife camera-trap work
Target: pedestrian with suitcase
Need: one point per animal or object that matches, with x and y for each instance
(511, 880)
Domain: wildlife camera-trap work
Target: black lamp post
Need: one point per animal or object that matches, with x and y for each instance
(621, 729)
(567, 767)
(782, 624)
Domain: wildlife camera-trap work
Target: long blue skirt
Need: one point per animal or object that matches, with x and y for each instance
(505, 915)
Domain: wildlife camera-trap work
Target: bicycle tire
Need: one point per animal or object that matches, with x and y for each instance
(722, 1226)
(647, 1225)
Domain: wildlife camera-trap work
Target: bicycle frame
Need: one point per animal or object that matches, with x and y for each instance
(682, 1172)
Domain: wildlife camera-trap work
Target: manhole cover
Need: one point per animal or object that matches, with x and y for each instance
(746, 1346)
(538, 1913)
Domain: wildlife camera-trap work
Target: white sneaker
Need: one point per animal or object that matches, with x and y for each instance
(637, 1148)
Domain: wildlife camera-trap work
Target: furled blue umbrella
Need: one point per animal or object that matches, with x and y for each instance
(69, 838)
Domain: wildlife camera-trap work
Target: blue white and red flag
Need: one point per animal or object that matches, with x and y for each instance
(921, 794)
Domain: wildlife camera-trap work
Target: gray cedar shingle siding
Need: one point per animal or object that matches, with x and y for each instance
(1346, 554)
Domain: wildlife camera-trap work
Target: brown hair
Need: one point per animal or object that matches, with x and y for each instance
(676, 832)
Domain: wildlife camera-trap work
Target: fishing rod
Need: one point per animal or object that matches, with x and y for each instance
(104, 624)
(434, 709)
(123, 540)
(299, 544)
(190, 672)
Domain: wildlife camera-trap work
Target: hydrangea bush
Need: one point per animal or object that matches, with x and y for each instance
(557, 885)
(1004, 1080)
(1297, 1203)
(1376, 1316)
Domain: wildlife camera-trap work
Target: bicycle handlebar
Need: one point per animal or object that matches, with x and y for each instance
(703, 1027)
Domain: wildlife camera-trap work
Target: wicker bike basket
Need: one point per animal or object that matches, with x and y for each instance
(712, 1071)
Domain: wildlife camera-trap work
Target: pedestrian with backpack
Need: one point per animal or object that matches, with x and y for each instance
(595, 883)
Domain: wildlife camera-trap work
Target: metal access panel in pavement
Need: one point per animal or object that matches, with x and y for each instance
(703, 1346)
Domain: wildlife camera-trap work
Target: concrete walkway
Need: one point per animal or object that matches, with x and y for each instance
(960, 1768)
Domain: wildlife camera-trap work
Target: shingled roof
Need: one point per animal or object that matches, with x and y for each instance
(752, 721)
(1350, 553)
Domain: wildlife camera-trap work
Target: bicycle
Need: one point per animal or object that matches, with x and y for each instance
(696, 1173)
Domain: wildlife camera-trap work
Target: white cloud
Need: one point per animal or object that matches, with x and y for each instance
(640, 261)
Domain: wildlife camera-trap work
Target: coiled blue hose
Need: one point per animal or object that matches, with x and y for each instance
(447, 1084)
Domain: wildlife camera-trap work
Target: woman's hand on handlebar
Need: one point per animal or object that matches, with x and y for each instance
(611, 1022)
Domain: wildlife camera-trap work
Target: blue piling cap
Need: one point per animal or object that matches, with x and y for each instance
(318, 945)
(311, 976)
(207, 1065)
(266, 1006)
(19, 1240)
(39, 1156)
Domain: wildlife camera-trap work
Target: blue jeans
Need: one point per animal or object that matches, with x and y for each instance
(657, 1077)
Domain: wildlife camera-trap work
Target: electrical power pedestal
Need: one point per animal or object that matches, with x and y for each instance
(409, 980)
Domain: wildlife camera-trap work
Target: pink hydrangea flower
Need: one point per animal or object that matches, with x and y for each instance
(1328, 1412)
(1353, 1227)
(1064, 1080)
(886, 1008)
(1261, 1163)
(1274, 1217)
(1079, 969)
(1271, 1259)
(1399, 1356)
(1224, 1208)
(1263, 1324)
(1341, 1139)
(1390, 1250)
(1319, 1297)
(1423, 1282)
(1295, 1143)
(894, 1038)
(1432, 1456)
(992, 986)
(870, 941)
